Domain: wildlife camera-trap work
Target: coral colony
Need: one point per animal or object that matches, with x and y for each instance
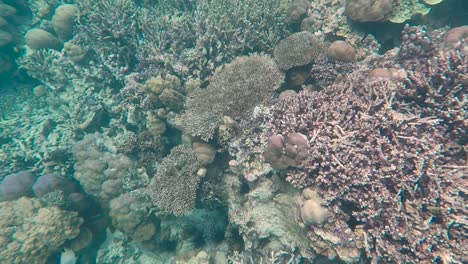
(233, 131)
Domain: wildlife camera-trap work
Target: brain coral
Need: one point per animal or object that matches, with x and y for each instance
(30, 233)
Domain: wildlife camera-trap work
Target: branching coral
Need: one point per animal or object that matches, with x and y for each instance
(174, 187)
(184, 38)
(388, 155)
(234, 91)
(110, 30)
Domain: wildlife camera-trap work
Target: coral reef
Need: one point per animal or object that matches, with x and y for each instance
(233, 131)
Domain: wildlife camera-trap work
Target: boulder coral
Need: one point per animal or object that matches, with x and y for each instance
(130, 213)
(63, 20)
(29, 231)
(99, 169)
(205, 152)
(368, 10)
(16, 185)
(282, 153)
(341, 51)
(37, 38)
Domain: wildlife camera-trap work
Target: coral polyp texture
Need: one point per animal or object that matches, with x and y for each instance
(186, 38)
(388, 153)
(234, 91)
(174, 187)
(28, 231)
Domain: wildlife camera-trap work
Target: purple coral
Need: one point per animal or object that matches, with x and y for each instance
(16, 185)
(51, 182)
(282, 152)
(390, 155)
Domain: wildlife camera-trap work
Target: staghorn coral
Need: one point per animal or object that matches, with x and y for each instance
(110, 32)
(232, 28)
(234, 91)
(387, 155)
(324, 71)
(184, 38)
(28, 231)
(174, 187)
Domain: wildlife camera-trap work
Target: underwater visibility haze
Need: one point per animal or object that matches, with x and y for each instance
(233, 131)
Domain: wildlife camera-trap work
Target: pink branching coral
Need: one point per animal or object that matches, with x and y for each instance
(389, 153)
